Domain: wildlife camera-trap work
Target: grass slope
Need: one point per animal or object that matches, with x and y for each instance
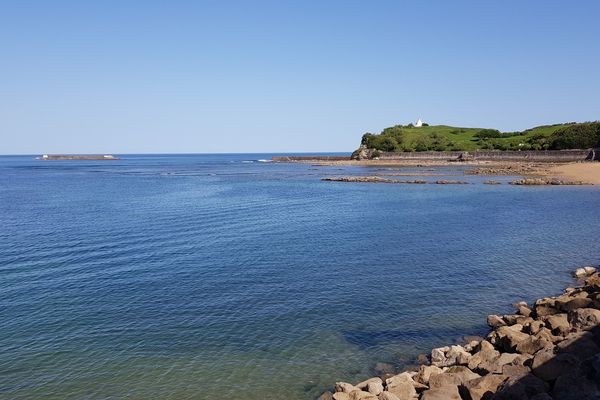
(443, 137)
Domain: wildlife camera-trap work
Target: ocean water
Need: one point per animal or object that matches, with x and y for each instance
(221, 277)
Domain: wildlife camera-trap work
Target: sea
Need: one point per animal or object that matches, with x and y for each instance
(227, 276)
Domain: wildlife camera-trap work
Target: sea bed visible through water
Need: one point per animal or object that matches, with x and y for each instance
(218, 276)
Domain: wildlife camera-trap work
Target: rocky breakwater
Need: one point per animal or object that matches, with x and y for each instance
(550, 350)
(544, 181)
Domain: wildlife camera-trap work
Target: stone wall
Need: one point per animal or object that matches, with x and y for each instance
(526, 155)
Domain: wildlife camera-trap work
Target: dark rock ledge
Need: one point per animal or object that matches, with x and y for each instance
(550, 350)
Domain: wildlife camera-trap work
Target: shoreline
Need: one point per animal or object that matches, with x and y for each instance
(549, 350)
(581, 172)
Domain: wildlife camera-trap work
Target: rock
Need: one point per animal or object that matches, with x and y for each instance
(444, 393)
(484, 361)
(583, 272)
(515, 370)
(510, 319)
(521, 387)
(344, 387)
(438, 355)
(542, 396)
(584, 318)
(384, 368)
(532, 344)
(326, 396)
(575, 386)
(469, 347)
(546, 334)
(494, 321)
(580, 344)
(375, 387)
(548, 366)
(425, 372)
(534, 327)
(593, 282)
(388, 396)
(558, 324)
(525, 311)
(485, 345)
(422, 359)
(545, 306)
(401, 385)
(483, 387)
(507, 338)
(458, 377)
(360, 395)
(572, 303)
(363, 385)
(456, 355)
(341, 396)
(446, 182)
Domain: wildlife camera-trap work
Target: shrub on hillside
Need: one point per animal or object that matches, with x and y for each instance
(580, 136)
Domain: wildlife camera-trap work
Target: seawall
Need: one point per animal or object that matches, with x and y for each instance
(526, 155)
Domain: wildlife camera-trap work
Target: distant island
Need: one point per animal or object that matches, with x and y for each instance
(51, 157)
(423, 137)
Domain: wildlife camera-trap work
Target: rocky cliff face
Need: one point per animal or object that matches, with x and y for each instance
(550, 350)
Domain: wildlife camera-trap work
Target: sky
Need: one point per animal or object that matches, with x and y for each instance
(123, 76)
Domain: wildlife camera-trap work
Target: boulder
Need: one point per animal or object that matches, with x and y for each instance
(521, 388)
(387, 396)
(402, 386)
(495, 321)
(515, 370)
(326, 396)
(584, 318)
(524, 310)
(548, 366)
(345, 387)
(558, 324)
(457, 355)
(575, 386)
(534, 327)
(360, 395)
(341, 396)
(363, 385)
(508, 337)
(449, 392)
(438, 356)
(375, 387)
(484, 360)
(483, 387)
(541, 396)
(425, 372)
(573, 303)
(422, 359)
(583, 272)
(384, 368)
(532, 344)
(453, 376)
(593, 282)
(545, 306)
(579, 344)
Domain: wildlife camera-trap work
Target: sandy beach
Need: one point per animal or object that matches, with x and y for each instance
(588, 172)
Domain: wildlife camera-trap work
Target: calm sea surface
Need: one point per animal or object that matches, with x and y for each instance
(221, 277)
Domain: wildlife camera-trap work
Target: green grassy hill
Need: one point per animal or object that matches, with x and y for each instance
(443, 138)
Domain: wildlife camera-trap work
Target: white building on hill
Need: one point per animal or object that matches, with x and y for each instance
(419, 123)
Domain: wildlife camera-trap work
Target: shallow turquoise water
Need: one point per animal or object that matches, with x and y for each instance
(205, 276)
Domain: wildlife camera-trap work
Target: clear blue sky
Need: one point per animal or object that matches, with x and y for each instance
(269, 76)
